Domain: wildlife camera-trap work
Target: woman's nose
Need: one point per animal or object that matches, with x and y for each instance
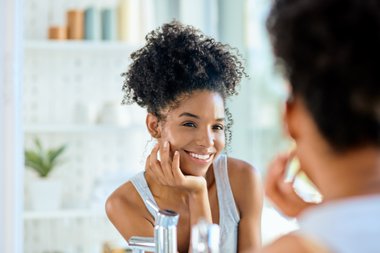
(205, 138)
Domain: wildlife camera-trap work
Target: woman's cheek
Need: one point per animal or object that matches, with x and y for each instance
(220, 142)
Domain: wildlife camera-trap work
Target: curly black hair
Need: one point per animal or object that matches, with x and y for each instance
(176, 61)
(329, 51)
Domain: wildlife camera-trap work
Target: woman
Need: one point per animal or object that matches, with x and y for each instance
(330, 50)
(183, 78)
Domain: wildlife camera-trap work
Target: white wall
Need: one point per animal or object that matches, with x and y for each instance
(11, 155)
(232, 22)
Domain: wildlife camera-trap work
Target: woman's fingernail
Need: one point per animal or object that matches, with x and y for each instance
(166, 144)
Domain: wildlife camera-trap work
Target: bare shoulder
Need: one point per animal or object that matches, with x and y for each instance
(124, 197)
(295, 244)
(238, 168)
(127, 212)
(244, 178)
(242, 174)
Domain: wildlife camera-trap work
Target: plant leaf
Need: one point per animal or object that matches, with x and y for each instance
(42, 161)
(54, 153)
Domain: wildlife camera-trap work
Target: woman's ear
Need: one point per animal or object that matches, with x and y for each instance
(290, 118)
(152, 125)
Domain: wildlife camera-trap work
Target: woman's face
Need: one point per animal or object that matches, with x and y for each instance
(196, 130)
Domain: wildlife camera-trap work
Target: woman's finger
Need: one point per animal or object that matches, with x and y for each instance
(275, 174)
(177, 173)
(276, 189)
(166, 163)
(152, 172)
(147, 163)
(155, 165)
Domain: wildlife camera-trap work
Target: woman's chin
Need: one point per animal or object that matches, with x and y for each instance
(196, 172)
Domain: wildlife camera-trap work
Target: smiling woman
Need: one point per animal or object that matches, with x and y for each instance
(183, 79)
(195, 129)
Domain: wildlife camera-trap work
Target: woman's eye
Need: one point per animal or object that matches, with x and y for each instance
(218, 127)
(189, 124)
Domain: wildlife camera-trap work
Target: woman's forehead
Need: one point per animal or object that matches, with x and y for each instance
(201, 104)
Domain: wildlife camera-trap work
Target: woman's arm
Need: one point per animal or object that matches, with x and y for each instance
(247, 189)
(128, 214)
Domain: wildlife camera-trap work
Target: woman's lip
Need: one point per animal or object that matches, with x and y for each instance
(200, 160)
(208, 153)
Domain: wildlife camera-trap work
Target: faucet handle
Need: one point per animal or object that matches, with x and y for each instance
(167, 218)
(141, 244)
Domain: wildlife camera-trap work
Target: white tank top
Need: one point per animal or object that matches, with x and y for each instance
(351, 225)
(228, 213)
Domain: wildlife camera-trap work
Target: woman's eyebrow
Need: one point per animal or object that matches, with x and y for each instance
(188, 114)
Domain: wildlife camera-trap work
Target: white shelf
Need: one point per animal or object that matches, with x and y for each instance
(82, 45)
(63, 214)
(79, 129)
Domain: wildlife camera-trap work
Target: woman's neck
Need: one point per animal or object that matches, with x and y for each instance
(353, 173)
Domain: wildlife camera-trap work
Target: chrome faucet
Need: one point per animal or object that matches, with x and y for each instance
(165, 234)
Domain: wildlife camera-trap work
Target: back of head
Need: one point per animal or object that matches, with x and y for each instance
(329, 51)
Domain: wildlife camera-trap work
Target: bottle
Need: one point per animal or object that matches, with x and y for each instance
(205, 237)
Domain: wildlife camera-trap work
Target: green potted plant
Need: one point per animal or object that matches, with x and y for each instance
(45, 192)
(43, 161)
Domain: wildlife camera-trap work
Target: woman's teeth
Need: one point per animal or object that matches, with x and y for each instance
(200, 157)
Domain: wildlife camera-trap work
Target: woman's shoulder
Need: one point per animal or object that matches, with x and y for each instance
(294, 243)
(126, 210)
(238, 168)
(244, 178)
(125, 198)
(124, 195)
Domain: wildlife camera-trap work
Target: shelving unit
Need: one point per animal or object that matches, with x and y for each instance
(51, 45)
(79, 129)
(100, 155)
(72, 95)
(63, 214)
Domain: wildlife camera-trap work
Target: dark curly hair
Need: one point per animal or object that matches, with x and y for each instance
(176, 61)
(329, 51)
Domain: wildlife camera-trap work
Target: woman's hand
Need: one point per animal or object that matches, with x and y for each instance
(167, 171)
(282, 193)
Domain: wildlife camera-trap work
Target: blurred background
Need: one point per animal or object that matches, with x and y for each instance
(81, 143)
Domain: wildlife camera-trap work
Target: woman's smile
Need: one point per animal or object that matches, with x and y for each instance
(200, 158)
